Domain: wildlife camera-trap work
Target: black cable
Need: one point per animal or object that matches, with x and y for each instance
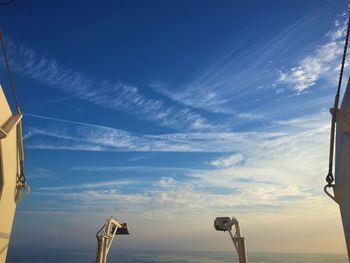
(344, 57)
(330, 177)
(6, 2)
(9, 72)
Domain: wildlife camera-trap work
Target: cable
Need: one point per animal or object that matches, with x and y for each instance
(22, 188)
(9, 72)
(6, 2)
(330, 177)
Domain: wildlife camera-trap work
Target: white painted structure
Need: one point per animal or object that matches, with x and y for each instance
(106, 235)
(9, 172)
(225, 224)
(342, 164)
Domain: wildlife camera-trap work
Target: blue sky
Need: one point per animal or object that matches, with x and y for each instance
(163, 113)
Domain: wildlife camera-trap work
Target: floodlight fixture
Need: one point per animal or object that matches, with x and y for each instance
(225, 224)
(106, 235)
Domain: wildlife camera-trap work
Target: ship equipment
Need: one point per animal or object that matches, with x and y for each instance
(13, 184)
(225, 224)
(106, 235)
(340, 138)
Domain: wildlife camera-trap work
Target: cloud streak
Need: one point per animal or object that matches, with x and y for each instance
(258, 84)
(59, 134)
(90, 185)
(113, 95)
(321, 62)
(227, 161)
(279, 168)
(246, 73)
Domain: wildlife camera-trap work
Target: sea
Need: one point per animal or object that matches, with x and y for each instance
(171, 257)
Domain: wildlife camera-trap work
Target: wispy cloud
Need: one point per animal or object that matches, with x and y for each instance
(259, 83)
(169, 196)
(323, 60)
(40, 173)
(227, 161)
(279, 170)
(93, 185)
(280, 180)
(108, 94)
(297, 159)
(241, 79)
(66, 135)
(131, 168)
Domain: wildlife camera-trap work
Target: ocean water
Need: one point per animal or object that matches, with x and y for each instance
(172, 257)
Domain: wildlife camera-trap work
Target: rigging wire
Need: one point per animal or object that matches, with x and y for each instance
(330, 177)
(9, 72)
(22, 188)
(6, 2)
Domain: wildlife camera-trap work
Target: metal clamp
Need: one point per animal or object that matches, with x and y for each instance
(328, 193)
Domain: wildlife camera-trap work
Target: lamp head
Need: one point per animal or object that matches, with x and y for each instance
(123, 230)
(223, 223)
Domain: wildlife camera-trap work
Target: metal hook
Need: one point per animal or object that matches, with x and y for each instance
(328, 193)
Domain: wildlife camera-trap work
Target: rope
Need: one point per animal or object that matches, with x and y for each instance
(6, 2)
(22, 187)
(330, 177)
(9, 72)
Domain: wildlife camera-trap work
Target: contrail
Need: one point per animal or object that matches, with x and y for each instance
(65, 121)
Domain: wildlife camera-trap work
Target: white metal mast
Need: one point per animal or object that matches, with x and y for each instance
(106, 235)
(340, 137)
(341, 186)
(225, 224)
(13, 185)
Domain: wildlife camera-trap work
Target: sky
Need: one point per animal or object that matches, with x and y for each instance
(167, 114)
